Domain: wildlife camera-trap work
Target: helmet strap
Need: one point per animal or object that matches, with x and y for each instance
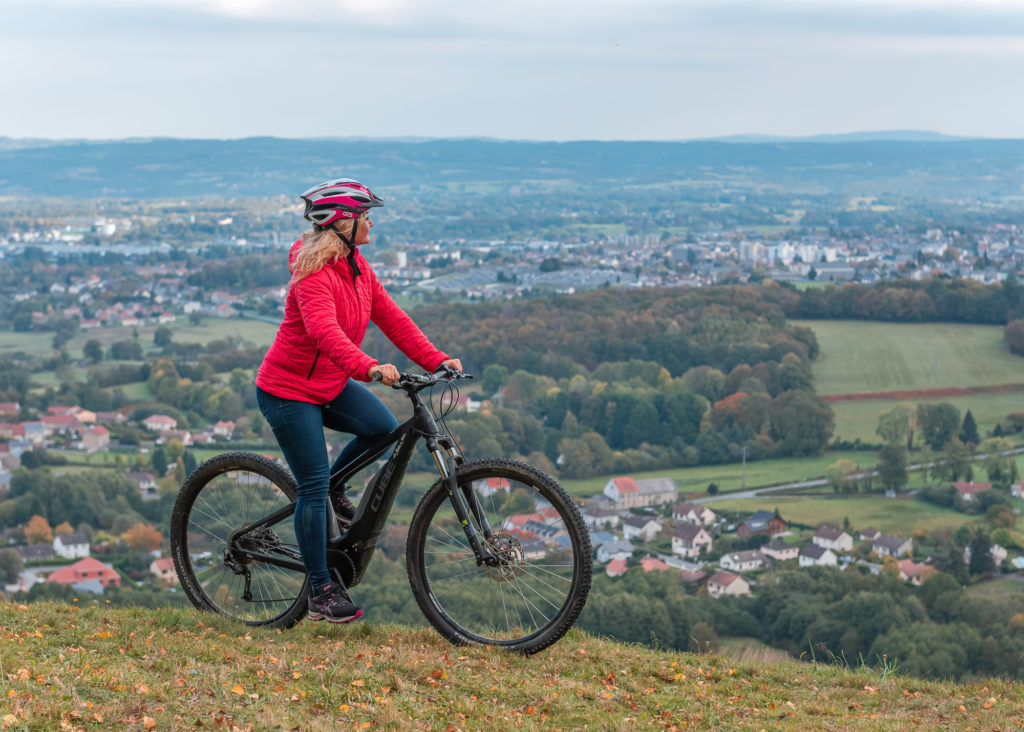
(350, 243)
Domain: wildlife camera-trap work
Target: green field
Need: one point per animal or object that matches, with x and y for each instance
(256, 332)
(858, 356)
(902, 514)
(729, 477)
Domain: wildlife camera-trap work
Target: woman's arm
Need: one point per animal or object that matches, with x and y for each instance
(402, 331)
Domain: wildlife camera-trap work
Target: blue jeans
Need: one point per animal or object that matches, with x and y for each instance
(299, 429)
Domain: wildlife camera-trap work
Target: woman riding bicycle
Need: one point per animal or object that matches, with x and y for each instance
(309, 377)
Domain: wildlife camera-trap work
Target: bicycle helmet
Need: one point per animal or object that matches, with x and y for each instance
(341, 198)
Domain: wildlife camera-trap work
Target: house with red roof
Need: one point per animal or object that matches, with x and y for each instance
(624, 492)
(628, 493)
(96, 437)
(915, 572)
(164, 570)
(616, 568)
(653, 564)
(489, 486)
(224, 428)
(84, 570)
(967, 490)
(727, 583)
(58, 424)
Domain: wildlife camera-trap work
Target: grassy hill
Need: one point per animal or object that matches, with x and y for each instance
(859, 356)
(98, 668)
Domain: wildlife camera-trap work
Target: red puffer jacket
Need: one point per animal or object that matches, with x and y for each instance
(326, 315)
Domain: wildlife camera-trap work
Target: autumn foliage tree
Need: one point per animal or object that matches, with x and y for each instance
(38, 531)
(143, 537)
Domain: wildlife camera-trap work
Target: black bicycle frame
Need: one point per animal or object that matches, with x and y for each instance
(349, 552)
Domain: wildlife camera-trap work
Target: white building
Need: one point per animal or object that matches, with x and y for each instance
(72, 546)
(645, 527)
(694, 513)
(691, 540)
(742, 561)
(727, 583)
(813, 555)
(835, 539)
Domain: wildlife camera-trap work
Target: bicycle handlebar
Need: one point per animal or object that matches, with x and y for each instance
(415, 382)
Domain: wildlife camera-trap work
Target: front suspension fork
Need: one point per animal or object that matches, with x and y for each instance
(466, 503)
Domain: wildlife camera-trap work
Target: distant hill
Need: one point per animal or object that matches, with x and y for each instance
(882, 136)
(266, 166)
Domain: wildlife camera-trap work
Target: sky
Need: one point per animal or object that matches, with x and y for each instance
(520, 69)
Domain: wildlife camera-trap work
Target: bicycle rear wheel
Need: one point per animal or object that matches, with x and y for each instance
(212, 556)
(538, 589)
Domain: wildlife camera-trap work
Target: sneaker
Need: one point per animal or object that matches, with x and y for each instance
(333, 605)
(344, 509)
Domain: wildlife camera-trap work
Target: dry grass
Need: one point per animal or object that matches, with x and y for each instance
(101, 668)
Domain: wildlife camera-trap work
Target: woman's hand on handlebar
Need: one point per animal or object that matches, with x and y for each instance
(454, 364)
(386, 373)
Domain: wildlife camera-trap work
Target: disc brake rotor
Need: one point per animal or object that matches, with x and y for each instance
(511, 557)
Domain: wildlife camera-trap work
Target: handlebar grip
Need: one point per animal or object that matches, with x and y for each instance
(377, 376)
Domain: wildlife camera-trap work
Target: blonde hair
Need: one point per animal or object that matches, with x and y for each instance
(319, 248)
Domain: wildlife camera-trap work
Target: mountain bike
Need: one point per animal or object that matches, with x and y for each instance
(497, 552)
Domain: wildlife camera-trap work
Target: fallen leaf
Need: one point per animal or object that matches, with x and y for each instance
(238, 689)
(149, 723)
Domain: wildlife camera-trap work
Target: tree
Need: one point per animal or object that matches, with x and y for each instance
(158, 459)
(955, 462)
(93, 350)
(892, 467)
(1001, 468)
(163, 336)
(64, 529)
(1013, 334)
(11, 565)
(143, 537)
(801, 422)
(126, 351)
(38, 531)
(938, 423)
(969, 430)
(493, 378)
(894, 424)
(981, 552)
(841, 475)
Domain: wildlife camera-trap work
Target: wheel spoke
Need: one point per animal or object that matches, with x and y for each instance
(215, 504)
(517, 602)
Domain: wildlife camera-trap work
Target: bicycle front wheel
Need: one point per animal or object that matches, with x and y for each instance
(215, 553)
(540, 584)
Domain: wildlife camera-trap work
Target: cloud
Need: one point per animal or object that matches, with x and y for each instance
(563, 69)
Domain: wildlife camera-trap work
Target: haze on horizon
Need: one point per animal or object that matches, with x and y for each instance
(578, 69)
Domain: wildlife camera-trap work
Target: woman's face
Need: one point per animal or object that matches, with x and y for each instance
(363, 226)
